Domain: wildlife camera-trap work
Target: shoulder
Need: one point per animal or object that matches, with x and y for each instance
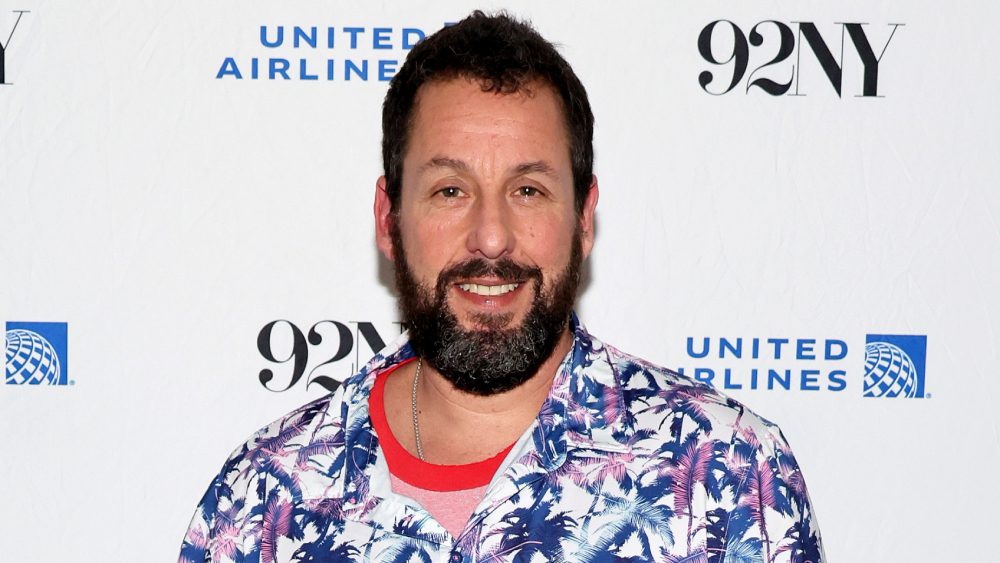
(298, 451)
(298, 457)
(749, 478)
(660, 398)
(314, 428)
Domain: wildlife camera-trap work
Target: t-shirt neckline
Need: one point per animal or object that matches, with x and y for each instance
(411, 469)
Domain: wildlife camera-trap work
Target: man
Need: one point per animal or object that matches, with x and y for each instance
(498, 429)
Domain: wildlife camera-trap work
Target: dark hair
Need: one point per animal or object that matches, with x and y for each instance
(505, 55)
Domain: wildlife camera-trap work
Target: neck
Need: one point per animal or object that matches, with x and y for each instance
(457, 427)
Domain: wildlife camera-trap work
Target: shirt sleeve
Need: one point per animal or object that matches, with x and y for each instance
(194, 548)
(772, 517)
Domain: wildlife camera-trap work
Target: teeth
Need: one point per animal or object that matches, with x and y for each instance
(488, 290)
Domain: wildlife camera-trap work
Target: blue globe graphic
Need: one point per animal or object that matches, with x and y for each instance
(889, 371)
(31, 359)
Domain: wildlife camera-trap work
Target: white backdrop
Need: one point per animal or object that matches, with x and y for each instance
(166, 214)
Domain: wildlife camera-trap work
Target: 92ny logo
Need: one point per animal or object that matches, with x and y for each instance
(5, 44)
(325, 343)
(723, 43)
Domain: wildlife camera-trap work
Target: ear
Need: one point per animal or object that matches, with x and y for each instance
(383, 219)
(587, 218)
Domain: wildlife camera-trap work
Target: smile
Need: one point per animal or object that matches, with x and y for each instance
(488, 290)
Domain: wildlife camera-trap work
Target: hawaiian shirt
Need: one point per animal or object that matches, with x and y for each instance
(626, 461)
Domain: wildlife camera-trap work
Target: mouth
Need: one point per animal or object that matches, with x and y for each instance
(488, 290)
(489, 293)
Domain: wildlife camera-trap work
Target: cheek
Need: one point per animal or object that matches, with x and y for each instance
(430, 248)
(549, 246)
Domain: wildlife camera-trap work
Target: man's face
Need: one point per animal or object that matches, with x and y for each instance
(486, 239)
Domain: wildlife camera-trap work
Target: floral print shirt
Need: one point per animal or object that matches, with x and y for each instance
(626, 461)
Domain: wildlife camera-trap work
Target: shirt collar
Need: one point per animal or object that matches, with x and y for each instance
(584, 409)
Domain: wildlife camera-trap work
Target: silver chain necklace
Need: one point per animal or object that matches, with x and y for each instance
(413, 411)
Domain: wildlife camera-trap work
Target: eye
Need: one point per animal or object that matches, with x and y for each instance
(450, 191)
(528, 191)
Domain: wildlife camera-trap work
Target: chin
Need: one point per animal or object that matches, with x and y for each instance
(490, 322)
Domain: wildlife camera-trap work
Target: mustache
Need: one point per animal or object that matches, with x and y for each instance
(504, 268)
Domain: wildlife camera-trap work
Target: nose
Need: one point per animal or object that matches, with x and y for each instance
(491, 234)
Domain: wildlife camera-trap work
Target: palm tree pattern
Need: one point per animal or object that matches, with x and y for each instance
(626, 461)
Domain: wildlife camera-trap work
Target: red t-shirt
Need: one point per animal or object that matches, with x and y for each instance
(449, 492)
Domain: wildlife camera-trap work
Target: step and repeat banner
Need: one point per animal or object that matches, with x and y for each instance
(799, 206)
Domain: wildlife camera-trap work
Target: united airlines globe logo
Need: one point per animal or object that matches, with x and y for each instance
(889, 372)
(36, 354)
(31, 359)
(894, 366)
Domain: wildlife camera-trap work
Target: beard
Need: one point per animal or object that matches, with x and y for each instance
(494, 357)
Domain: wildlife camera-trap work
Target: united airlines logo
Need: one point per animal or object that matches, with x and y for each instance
(894, 366)
(323, 54)
(37, 354)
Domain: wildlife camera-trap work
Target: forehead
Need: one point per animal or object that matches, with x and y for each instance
(456, 119)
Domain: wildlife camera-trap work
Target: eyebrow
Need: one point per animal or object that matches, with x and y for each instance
(538, 166)
(445, 162)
